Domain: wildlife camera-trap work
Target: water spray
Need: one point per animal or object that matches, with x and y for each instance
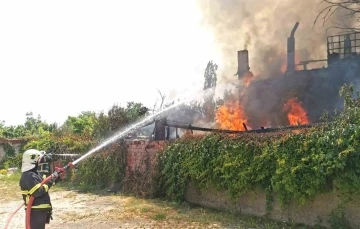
(126, 131)
(120, 134)
(102, 145)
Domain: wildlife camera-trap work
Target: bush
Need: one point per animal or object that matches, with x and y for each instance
(11, 162)
(3, 171)
(101, 170)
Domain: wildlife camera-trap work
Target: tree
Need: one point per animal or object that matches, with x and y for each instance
(209, 89)
(33, 126)
(119, 116)
(135, 111)
(102, 126)
(82, 124)
(210, 75)
(350, 9)
(2, 128)
(162, 100)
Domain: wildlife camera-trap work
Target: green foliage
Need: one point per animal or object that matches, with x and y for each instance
(104, 169)
(337, 219)
(82, 124)
(235, 164)
(9, 150)
(135, 110)
(2, 129)
(120, 116)
(294, 166)
(32, 127)
(11, 161)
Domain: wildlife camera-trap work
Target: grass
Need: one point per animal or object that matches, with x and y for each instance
(184, 215)
(9, 187)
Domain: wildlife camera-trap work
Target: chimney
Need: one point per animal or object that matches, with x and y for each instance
(243, 63)
(291, 50)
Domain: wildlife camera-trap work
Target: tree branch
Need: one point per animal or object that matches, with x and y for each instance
(352, 7)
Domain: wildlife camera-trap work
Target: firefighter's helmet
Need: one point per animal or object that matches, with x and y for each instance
(30, 159)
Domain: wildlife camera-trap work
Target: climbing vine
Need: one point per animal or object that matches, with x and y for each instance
(102, 170)
(9, 149)
(295, 166)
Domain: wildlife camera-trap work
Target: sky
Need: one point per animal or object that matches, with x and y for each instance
(59, 58)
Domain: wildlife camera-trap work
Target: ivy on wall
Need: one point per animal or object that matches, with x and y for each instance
(295, 166)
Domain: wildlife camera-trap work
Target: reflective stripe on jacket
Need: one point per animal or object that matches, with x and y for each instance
(30, 186)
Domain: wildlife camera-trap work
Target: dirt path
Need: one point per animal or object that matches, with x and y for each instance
(77, 210)
(73, 209)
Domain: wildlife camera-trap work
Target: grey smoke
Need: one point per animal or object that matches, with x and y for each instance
(267, 24)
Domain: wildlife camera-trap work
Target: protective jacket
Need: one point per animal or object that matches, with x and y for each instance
(30, 185)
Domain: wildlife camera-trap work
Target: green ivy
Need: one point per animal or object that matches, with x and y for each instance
(105, 168)
(294, 166)
(9, 150)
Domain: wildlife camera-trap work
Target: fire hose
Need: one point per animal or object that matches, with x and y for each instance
(47, 179)
(31, 199)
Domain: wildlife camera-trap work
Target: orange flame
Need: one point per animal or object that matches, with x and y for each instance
(231, 116)
(296, 113)
(247, 78)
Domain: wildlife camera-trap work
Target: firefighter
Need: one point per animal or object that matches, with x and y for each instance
(30, 186)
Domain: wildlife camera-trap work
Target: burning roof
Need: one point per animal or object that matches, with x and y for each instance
(294, 97)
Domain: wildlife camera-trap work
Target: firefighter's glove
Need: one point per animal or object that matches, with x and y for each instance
(51, 182)
(61, 172)
(54, 176)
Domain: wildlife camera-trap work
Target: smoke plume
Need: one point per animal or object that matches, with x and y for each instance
(267, 24)
(262, 27)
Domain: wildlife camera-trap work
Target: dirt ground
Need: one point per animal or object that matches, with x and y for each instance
(73, 209)
(78, 210)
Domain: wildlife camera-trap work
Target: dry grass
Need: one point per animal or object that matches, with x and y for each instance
(86, 208)
(9, 187)
(162, 214)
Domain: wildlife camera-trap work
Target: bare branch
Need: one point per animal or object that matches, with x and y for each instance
(351, 7)
(162, 96)
(154, 109)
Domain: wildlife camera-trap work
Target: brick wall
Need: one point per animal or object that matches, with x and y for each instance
(140, 170)
(141, 155)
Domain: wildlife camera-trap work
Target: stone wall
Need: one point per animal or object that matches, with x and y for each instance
(253, 203)
(16, 143)
(2, 151)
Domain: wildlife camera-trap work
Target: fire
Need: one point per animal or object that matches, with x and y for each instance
(247, 78)
(231, 116)
(283, 67)
(296, 113)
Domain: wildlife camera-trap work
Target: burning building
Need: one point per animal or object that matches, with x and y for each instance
(288, 93)
(297, 96)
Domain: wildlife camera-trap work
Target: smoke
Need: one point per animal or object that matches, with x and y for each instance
(267, 24)
(247, 41)
(262, 27)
